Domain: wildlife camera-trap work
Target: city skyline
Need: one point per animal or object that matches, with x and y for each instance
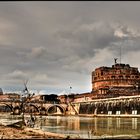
(56, 45)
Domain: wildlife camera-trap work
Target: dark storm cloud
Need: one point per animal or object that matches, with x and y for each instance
(58, 44)
(89, 37)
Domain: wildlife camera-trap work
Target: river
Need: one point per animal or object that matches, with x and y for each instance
(92, 127)
(88, 127)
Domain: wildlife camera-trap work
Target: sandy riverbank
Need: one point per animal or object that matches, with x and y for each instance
(27, 133)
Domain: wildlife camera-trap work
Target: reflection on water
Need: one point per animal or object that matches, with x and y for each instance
(134, 123)
(86, 127)
(118, 122)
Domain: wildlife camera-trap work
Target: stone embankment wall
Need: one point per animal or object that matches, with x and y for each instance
(111, 106)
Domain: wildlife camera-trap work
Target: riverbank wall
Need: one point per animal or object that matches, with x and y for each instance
(113, 116)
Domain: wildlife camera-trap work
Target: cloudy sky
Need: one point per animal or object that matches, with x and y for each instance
(55, 45)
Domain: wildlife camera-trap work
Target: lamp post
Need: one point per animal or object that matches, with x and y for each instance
(70, 89)
(69, 93)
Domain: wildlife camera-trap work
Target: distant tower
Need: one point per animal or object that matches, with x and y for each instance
(1, 92)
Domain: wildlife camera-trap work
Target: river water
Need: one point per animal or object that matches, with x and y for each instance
(92, 127)
(87, 127)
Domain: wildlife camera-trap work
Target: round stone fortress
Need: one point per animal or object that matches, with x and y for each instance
(119, 76)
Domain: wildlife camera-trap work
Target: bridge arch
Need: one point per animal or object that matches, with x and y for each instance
(31, 108)
(5, 107)
(16, 110)
(43, 111)
(61, 108)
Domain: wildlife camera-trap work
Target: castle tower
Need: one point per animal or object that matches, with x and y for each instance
(118, 76)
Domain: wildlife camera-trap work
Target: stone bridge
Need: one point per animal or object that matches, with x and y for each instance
(123, 105)
(42, 108)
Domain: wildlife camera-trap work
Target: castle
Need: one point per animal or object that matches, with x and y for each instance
(121, 78)
(108, 82)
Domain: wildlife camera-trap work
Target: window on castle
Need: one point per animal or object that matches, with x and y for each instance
(121, 77)
(132, 76)
(118, 72)
(113, 77)
(128, 77)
